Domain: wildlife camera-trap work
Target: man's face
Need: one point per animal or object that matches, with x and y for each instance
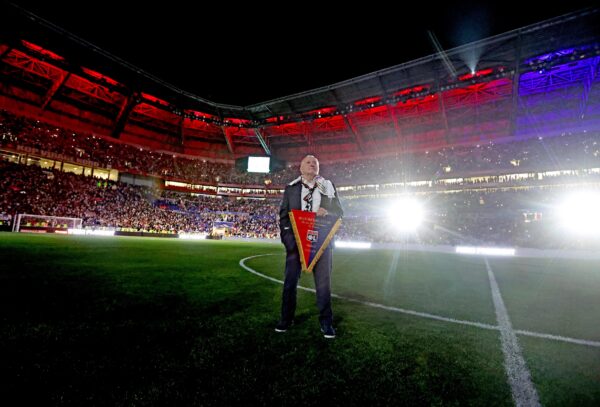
(309, 166)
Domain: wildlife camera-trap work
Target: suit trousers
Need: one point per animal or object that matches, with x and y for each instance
(322, 277)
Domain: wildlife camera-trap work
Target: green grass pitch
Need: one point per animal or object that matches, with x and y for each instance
(143, 321)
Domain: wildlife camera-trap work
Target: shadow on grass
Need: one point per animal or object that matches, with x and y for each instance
(70, 338)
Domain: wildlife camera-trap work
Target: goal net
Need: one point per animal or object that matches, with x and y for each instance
(25, 222)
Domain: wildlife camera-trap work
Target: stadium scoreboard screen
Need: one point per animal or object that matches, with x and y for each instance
(259, 164)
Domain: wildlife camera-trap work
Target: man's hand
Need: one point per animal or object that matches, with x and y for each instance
(322, 212)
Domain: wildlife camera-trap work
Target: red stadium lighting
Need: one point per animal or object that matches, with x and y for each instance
(414, 89)
(203, 116)
(239, 122)
(99, 76)
(322, 111)
(477, 74)
(42, 51)
(155, 99)
(368, 101)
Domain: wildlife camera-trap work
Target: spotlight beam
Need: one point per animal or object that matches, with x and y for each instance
(442, 54)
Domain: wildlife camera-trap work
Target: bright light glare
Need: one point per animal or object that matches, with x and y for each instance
(580, 213)
(405, 215)
(192, 236)
(353, 245)
(91, 232)
(486, 251)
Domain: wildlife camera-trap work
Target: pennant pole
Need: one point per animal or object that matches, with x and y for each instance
(297, 237)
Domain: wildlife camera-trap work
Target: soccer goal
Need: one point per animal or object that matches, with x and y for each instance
(25, 222)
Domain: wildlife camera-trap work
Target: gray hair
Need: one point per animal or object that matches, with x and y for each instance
(309, 155)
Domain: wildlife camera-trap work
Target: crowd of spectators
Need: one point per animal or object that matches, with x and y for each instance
(522, 217)
(107, 204)
(109, 153)
(516, 216)
(564, 151)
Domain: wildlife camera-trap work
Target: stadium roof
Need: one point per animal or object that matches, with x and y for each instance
(253, 53)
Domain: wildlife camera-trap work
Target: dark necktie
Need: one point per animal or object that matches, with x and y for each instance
(308, 197)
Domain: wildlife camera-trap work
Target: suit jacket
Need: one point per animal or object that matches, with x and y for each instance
(292, 200)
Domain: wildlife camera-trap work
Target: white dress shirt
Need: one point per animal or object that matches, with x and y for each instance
(316, 196)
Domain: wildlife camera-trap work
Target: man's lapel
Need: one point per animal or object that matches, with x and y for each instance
(295, 196)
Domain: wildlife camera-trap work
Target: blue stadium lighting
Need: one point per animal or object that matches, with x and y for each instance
(554, 55)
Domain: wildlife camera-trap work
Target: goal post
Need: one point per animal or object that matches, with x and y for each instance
(26, 222)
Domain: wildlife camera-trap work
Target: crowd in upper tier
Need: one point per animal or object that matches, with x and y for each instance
(534, 154)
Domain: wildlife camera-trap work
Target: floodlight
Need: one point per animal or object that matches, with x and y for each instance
(580, 214)
(406, 215)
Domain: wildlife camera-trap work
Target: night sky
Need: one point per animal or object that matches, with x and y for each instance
(238, 55)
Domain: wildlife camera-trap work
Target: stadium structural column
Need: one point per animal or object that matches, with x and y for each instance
(588, 81)
(443, 109)
(308, 137)
(262, 141)
(124, 111)
(6, 51)
(354, 133)
(391, 111)
(56, 85)
(351, 127)
(180, 131)
(228, 139)
(515, 89)
(396, 126)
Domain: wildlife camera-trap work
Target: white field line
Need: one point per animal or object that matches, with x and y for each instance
(576, 341)
(521, 386)
(585, 342)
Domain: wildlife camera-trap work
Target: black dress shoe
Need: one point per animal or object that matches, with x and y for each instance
(328, 331)
(283, 326)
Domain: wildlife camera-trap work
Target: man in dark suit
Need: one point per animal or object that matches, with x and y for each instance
(309, 192)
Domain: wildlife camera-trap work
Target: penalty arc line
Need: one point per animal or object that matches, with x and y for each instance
(585, 342)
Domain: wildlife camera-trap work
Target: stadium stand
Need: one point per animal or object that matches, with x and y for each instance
(490, 151)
